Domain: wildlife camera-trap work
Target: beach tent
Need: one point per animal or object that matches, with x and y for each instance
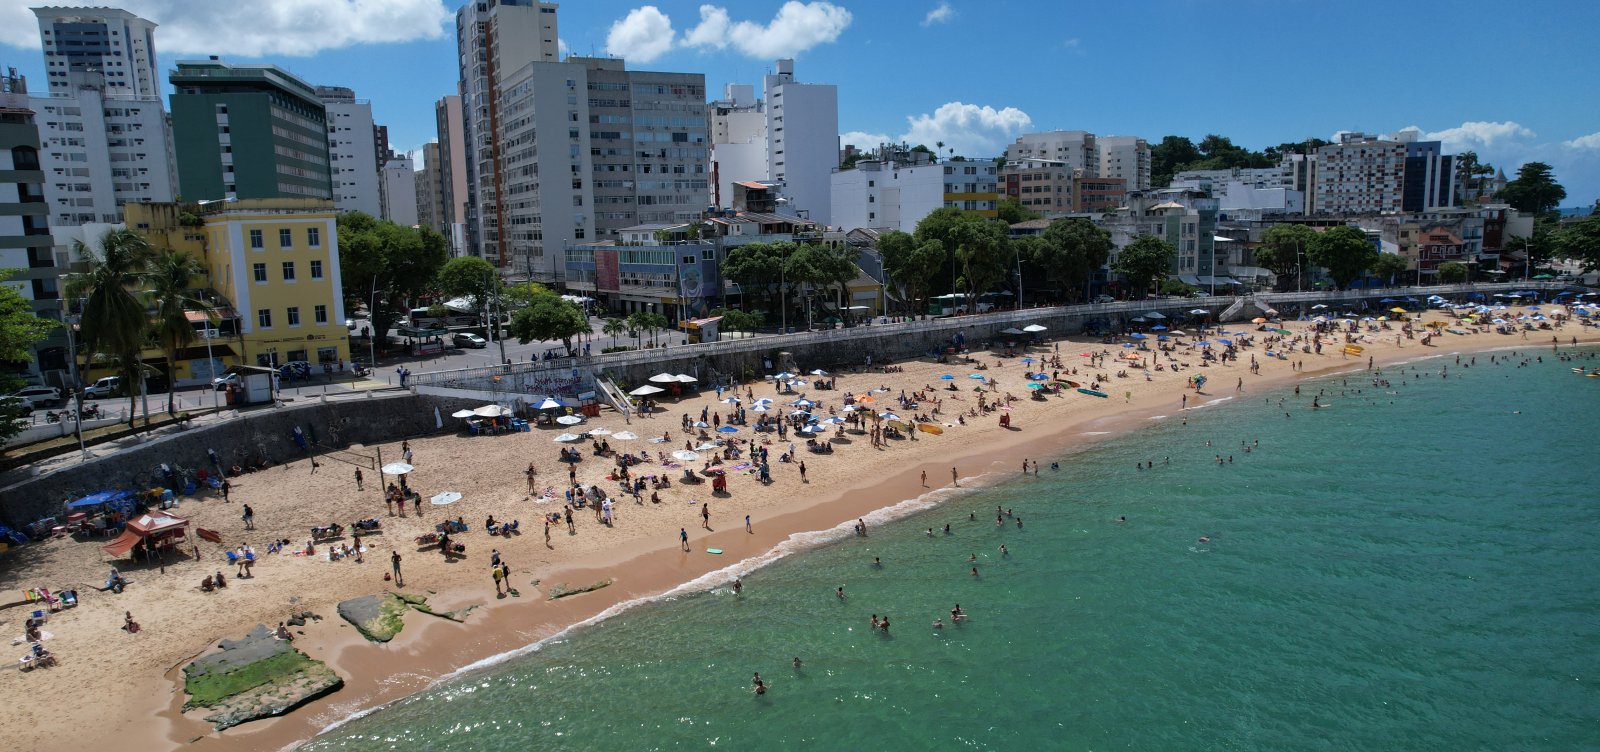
(98, 499)
(646, 389)
(664, 378)
(157, 526)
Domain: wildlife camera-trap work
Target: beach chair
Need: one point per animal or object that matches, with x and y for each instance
(233, 558)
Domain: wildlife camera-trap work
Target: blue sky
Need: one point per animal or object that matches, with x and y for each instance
(1514, 82)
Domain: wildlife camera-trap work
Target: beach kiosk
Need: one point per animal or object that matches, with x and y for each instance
(155, 530)
(254, 386)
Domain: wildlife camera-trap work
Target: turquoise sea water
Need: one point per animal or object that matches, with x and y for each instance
(1406, 571)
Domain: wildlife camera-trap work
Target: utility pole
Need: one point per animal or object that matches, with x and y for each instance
(77, 388)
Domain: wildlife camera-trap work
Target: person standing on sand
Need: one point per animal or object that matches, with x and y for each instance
(394, 564)
(803, 472)
(924, 478)
(683, 538)
(547, 534)
(226, 487)
(705, 516)
(955, 479)
(249, 518)
(532, 477)
(358, 480)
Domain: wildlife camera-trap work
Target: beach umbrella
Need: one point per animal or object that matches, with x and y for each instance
(1035, 386)
(798, 382)
(490, 411)
(730, 400)
(445, 497)
(551, 403)
(1318, 307)
(1162, 338)
(1140, 335)
(1139, 320)
(1154, 315)
(714, 469)
(865, 398)
(710, 446)
(1127, 344)
(700, 424)
(462, 414)
(1203, 343)
(1029, 360)
(798, 413)
(1011, 330)
(1258, 320)
(832, 420)
(397, 468)
(624, 436)
(947, 376)
(646, 389)
(802, 403)
(684, 378)
(568, 437)
(1227, 342)
(727, 429)
(1034, 328)
(1200, 312)
(1397, 310)
(1158, 328)
(888, 416)
(664, 378)
(977, 376)
(760, 407)
(819, 372)
(686, 456)
(1178, 333)
(782, 376)
(569, 420)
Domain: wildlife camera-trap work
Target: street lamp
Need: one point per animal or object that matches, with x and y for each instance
(372, 327)
(211, 363)
(77, 391)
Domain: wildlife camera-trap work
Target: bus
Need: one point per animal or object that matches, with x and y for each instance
(421, 317)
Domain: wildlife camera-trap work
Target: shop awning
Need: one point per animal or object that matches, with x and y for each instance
(1188, 279)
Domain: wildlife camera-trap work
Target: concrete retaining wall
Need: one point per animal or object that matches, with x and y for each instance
(265, 432)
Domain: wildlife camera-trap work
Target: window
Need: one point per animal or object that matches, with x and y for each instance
(285, 238)
(316, 270)
(264, 318)
(255, 239)
(314, 237)
(294, 316)
(288, 271)
(261, 272)
(321, 312)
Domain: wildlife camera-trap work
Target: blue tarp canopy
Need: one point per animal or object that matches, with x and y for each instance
(96, 499)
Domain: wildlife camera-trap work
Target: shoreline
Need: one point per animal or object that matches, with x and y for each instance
(642, 570)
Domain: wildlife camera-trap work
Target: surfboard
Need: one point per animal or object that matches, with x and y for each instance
(1092, 393)
(714, 551)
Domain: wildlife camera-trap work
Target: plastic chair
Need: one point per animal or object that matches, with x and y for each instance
(233, 558)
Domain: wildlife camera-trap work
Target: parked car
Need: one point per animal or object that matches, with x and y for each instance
(223, 382)
(1104, 299)
(468, 339)
(38, 396)
(108, 386)
(295, 369)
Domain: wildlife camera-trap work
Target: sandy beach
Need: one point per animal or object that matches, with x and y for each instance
(112, 687)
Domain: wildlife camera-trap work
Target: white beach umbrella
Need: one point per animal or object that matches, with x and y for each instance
(491, 411)
(684, 378)
(462, 414)
(1011, 330)
(599, 432)
(707, 447)
(1034, 328)
(663, 378)
(623, 435)
(569, 420)
(819, 372)
(445, 497)
(397, 468)
(645, 390)
(686, 456)
(550, 403)
(567, 437)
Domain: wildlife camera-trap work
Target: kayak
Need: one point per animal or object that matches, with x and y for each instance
(1092, 393)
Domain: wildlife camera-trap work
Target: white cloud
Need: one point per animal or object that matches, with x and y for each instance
(1479, 135)
(562, 50)
(1591, 141)
(261, 28)
(972, 129)
(797, 27)
(865, 141)
(939, 15)
(641, 36)
(712, 30)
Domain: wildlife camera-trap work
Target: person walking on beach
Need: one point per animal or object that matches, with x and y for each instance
(394, 564)
(683, 538)
(226, 487)
(249, 518)
(747, 527)
(358, 480)
(547, 534)
(803, 472)
(924, 478)
(532, 476)
(705, 516)
(498, 578)
(955, 479)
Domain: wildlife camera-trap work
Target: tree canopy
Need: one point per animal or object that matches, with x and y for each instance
(979, 246)
(1145, 260)
(546, 317)
(1345, 252)
(469, 277)
(20, 330)
(1282, 249)
(1535, 191)
(910, 265)
(1011, 211)
(1388, 267)
(1452, 272)
(402, 263)
(1580, 242)
(1067, 252)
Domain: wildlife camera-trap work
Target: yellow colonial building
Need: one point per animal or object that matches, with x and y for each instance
(277, 262)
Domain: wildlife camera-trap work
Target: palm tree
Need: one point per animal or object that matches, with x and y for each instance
(114, 319)
(613, 326)
(170, 277)
(637, 323)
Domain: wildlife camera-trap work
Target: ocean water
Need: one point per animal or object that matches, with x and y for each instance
(1416, 567)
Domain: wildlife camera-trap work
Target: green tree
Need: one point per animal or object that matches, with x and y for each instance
(977, 246)
(114, 320)
(1452, 273)
(1011, 211)
(1147, 259)
(1580, 242)
(614, 327)
(910, 265)
(1388, 267)
(1283, 250)
(1345, 252)
(824, 267)
(469, 277)
(402, 263)
(755, 268)
(20, 330)
(1068, 251)
(1535, 191)
(171, 279)
(1168, 157)
(1540, 247)
(549, 317)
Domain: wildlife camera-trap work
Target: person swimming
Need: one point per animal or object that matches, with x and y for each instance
(1205, 539)
(938, 623)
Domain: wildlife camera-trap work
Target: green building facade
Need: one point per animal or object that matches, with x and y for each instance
(246, 132)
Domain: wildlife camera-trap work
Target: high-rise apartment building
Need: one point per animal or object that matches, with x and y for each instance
(352, 150)
(25, 242)
(494, 38)
(102, 126)
(897, 195)
(400, 191)
(587, 148)
(430, 209)
(248, 131)
(1125, 157)
(452, 173)
(1076, 148)
(802, 140)
(1362, 174)
(1039, 185)
(738, 140)
(105, 48)
(1430, 179)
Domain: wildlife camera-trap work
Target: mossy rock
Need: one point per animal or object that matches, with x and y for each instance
(256, 677)
(377, 617)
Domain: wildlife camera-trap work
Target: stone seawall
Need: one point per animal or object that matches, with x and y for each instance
(266, 432)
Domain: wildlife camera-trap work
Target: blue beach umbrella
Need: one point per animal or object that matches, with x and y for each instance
(1227, 342)
(977, 376)
(1162, 338)
(1158, 328)
(727, 429)
(1027, 360)
(1127, 344)
(1203, 343)
(1140, 335)
(947, 377)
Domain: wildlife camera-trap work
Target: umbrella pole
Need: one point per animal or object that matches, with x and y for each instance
(381, 485)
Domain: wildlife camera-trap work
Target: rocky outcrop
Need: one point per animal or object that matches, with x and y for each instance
(255, 677)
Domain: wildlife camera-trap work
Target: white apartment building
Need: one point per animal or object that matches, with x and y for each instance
(352, 151)
(588, 148)
(1126, 157)
(106, 48)
(430, 210)
(887, 194)
(1267, 190)
(400, 191)
(1076, 148)
(494, 38)
(103, 127)
(790, 139)
(1362, 174)
(452, 173)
